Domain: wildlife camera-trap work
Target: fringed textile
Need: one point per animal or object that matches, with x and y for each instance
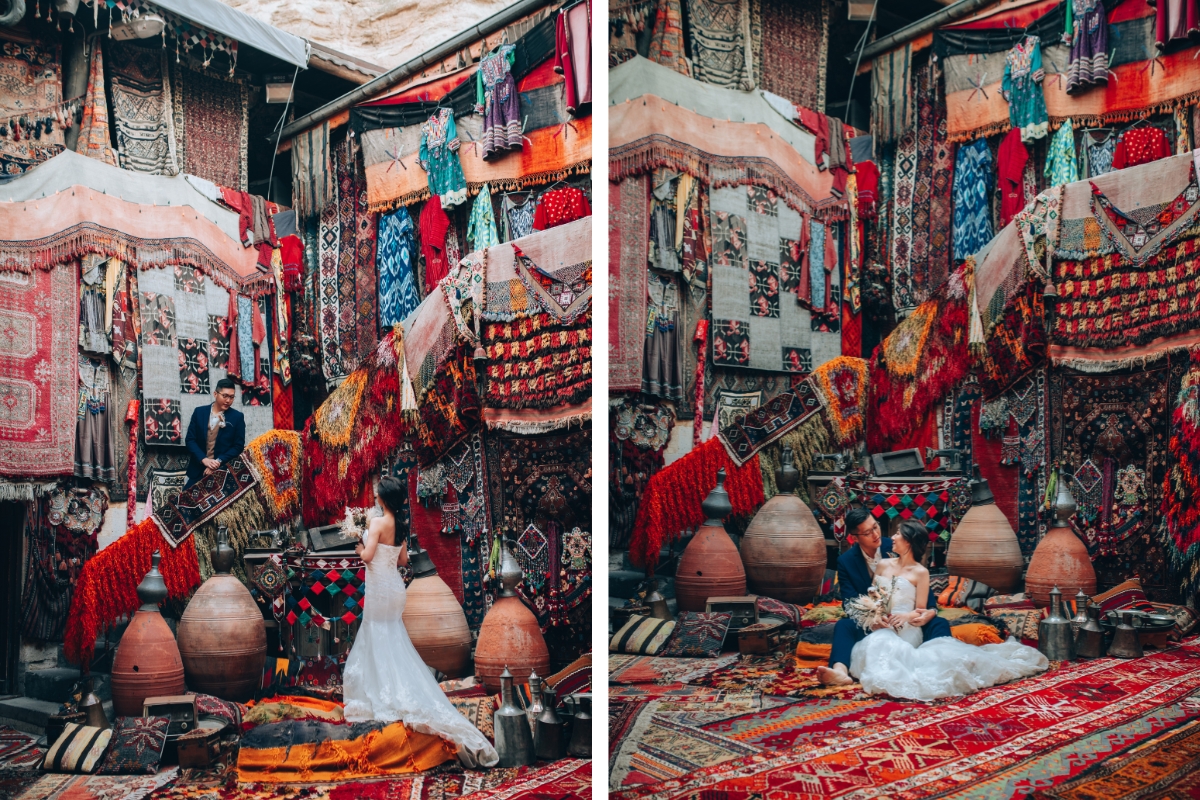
(131, 417)
(94, 140)
(204, 500)
(450, 408)
(107, 587)
(274, 458)
(1180, 531)
(913, 367)
(806, 440)
(1017, 344)
(842, 383)
(244, 515)
(673, 496)
(746, 435)
(312, 171)
(535, 362)
(666, 38)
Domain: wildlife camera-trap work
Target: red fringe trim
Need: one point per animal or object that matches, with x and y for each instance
(673, 496)
(107, 586)
(1181, 487)
(945, 361)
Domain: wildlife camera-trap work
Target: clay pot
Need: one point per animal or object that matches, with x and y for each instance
(710, 565)
(435, 620)
(783, 551)
(222, 638)
(1060, 559)
(510, 637)
(984, 546)
(147, 662)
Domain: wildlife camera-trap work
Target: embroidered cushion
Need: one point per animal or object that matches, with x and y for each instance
(777, 608)
(1124, 595)
(137, 746)
(77, 750)
(1017, 600)
(642, 636)
(1185, 618)
(964, 593)
(698, 634)
(1022, 623)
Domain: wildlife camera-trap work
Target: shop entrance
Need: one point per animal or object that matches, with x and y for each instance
(12, 523)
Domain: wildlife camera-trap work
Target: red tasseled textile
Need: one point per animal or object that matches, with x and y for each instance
(291, 252)
(673, 496)
(899, 405)
(851, 332)
(107, 586)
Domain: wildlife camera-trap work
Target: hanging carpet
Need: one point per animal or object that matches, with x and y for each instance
(39, 371)
(215, 129)
(31, 74)
(142, 108)
(628, 240)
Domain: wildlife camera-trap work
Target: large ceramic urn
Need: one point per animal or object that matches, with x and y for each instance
(1060, 559)
(222, 638)
(147, 662)
(710, 566)
(783, 550)
(435, 620)
(510, 636)
(984, 546)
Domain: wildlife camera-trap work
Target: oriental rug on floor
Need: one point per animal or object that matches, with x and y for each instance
(1001, 742)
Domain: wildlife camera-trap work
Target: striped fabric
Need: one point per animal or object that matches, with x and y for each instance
(642, 636)
(78, 750)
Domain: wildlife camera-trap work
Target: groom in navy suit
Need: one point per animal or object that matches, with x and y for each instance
(856, 573)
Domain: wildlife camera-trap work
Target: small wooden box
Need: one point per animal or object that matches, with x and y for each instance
(744, 609)
(200, 747)
(181, 708)
(762, 637)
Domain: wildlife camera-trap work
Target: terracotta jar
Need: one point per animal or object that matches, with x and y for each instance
(984, 546)
(710, 566)
(222, 638)
(1060, 559)
(783, 551)
(147, 662)
(510, 636)
(435, 620)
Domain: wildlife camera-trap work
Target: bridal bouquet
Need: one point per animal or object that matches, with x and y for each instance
(355, 523)
(871, 609)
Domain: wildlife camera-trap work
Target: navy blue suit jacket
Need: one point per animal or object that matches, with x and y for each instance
(854, 578)
(231, 440)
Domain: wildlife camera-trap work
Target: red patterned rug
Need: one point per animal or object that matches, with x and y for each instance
(39, 371)
(1008, 741)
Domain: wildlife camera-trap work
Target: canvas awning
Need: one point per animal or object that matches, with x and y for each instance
(220, 18)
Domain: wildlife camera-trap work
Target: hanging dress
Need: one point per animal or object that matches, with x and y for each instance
(662, 373)
(95, 458)
(1061, 166)
(1011, 160)
(481, 227)
(560, 206)
(439, 158)
(517, 217)
(496, 98)
(1141, 146)
(972, 206)
(1098, 153)
(1175, 20)
(1087, 33)
(1022, 88)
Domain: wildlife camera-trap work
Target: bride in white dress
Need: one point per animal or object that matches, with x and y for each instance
(894, 660)
(385, 679)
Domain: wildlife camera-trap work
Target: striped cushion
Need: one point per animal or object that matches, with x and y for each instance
(1124, 595)
(78, 750)
(642, 636)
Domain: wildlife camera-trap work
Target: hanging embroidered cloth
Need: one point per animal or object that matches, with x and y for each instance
(481, 227)
(1060, 160)
(1087, 32)
(1022, 88)
(395, 260)
(439, 158)
(972, 207)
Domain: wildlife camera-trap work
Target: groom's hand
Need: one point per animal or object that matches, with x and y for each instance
(921, 618)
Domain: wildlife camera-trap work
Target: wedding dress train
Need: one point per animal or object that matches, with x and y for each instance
(386, 680)
(900, 665)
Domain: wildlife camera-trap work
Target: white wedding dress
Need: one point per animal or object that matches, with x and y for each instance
(900, 665)
(385, 679)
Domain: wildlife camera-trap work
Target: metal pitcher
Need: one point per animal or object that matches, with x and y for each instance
(1089, 641)
(1126, 643)
(1055, 638)
(514, 740)
(549, 737)
(581, 730)
(535, 699)
(1081, 614)
(93, 707)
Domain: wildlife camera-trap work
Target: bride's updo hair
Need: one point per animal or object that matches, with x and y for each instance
(917, 537)
(393, 494)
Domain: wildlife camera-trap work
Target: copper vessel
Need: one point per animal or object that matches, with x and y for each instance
(783, 551)
(984, 546)
(711, 565)
(1060, 559)
(509, 637)
(147, 662)
(434, 619)
(222, 638)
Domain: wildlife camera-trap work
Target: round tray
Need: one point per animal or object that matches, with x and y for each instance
(1149, 623)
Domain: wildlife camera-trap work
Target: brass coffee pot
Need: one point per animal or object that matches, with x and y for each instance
(1126, 643)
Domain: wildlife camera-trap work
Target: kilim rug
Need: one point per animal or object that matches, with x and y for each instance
(795, 38)
(649, 691)
(204, 500)
(628, 241)
(941, 210)
(18, 749)
(215, 127)
(1167, 767)
(142, 113)
(1001, 742)
(922, 187)
(659, 749)
(902, 222)
(39, 371)
(649, 669)
(720, 55)
(97, 787)
(730, 406)
(165, 487)
(32, 77)
(746, 435)
(14, 782)
(569, 779)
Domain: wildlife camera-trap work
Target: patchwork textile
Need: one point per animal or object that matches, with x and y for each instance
(628, 238)
(1106, 427)
(32, 77)
(541, 489)
(755, 325)
(215, 129)
(142, 112)
(204, 500)
(180, 309)
(325, 591)
(1036, 732)
(39, 371)
(748, 434)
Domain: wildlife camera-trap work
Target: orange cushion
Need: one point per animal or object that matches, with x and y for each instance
(976, 633)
